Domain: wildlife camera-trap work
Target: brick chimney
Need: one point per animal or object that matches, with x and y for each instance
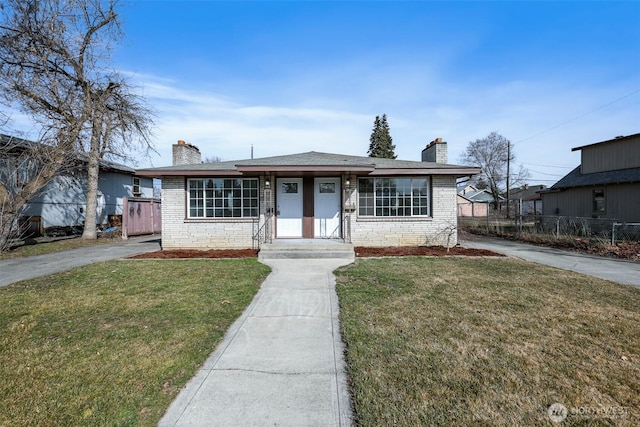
(435, 151)
(186, 154)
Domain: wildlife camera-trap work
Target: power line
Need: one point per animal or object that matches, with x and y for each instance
(547, 166)
(579, 117)
(548, 174)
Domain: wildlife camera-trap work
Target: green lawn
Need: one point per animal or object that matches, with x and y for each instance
(112, 343)
(444, 341)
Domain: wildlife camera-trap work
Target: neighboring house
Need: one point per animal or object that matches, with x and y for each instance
(530, 198)
(367, 201)
(470, 192)
(606, 185)
(60, 205)
(474, 202)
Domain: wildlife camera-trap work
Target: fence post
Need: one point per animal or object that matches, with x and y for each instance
(613, 233)
(520, 212)
(488, 207)
(125, 218)
(558, 228)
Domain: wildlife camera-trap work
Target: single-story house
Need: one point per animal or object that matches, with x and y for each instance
(529, 196)
(364, 200)
(606, 185)
(474, 202)
(59, 206)
(471, 208)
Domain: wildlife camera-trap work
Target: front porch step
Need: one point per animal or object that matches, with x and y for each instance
(306, 249)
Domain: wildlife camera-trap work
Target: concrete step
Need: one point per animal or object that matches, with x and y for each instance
(306, 249)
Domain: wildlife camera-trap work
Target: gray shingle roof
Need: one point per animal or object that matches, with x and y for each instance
(15, 143)
(576, 179)
(311, 159)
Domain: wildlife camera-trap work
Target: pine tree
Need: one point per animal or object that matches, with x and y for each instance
(380, 142)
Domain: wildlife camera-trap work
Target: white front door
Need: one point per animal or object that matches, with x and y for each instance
(289, 212)
(326, 207)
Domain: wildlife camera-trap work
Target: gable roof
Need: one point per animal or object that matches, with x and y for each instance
(616, 139)
(480, 196)
(528, 193)
(577, 179)
(313, 162)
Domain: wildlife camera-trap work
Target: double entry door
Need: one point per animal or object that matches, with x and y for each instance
(308, 207)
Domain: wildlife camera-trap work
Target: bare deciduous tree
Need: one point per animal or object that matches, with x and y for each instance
(25, 168)
(212, 159)
(493, 154)
(54, 68)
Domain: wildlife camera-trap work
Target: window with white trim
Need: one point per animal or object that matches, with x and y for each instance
(393, 197)
(223, 198)
(136, 186)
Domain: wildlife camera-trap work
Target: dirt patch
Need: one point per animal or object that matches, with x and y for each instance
(196, 253)
(364, 251)
(621, 250)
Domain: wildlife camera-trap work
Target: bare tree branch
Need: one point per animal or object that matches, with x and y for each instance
(54, 67)
(491, 154)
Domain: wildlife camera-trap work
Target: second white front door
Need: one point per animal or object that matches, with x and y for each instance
(326, 203)
(289, 212)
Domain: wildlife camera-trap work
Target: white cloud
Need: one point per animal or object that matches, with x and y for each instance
(544, 119)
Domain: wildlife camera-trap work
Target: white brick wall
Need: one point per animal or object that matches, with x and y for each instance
(179, 232)
(412, 231)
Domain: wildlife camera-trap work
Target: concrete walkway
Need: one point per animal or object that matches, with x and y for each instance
(621, 271)
(281, 363)
(17, 269)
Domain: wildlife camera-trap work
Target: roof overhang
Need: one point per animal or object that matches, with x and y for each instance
(458, 172)
(305, 169)
(310, 170)
(160, 173)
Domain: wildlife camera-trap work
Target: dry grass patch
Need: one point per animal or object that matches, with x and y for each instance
(33, 249)
(113, 343)
(440, 341)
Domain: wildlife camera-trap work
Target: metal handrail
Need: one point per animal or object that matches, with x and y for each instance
(263, 235)
(346, 228)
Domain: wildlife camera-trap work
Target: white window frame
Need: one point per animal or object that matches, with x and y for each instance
(136, 189)
(218, 202)
(396, 201)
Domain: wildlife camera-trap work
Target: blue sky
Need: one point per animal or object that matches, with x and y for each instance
(295, 76)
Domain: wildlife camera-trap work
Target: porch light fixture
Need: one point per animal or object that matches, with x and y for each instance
(267, 182)
(348, 181)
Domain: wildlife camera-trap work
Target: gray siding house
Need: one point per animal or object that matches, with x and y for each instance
(363, 200)
(60, 204)
(606, 185)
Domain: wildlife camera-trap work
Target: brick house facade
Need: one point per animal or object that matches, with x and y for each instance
(366, 201)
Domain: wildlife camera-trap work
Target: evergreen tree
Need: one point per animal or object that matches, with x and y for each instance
(380, 142)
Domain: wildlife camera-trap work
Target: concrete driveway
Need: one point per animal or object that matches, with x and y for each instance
(621, 271)
(17, 269)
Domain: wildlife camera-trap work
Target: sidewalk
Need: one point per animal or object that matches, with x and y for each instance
(17, 269)
(621, 271)
(281, 363)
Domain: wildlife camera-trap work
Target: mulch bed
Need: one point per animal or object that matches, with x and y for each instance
(196, 253)
(363, 251)
(360, 252)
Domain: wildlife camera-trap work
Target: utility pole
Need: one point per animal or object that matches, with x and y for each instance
(508, 183)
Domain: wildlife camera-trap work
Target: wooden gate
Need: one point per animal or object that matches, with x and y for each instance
(141, 216)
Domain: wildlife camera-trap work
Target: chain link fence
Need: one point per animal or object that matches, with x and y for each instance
(606, 231)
